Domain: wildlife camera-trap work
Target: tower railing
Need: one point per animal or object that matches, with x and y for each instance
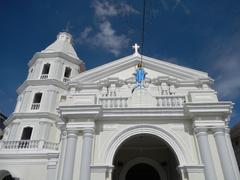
(65, 79)
(35, 106)
(44, 76)
(28, 144)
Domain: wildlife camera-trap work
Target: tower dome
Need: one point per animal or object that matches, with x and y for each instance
(62, 44)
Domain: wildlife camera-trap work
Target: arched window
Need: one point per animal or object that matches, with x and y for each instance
(45, 71)
(26, 134)
(36, 101)
(67, 74)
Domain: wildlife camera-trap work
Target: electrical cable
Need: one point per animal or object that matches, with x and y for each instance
(143, 30)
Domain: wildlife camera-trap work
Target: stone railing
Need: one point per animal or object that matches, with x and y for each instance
(65, 79)
(50, 145)
(170, 101)
(35, 106)
(28, 144)
(113, 102)
(44, 76)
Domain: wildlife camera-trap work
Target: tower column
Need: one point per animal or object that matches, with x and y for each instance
(224, 155)
(70, 155)
(86, 154)
(202, 138)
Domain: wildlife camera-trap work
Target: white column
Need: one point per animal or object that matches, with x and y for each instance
(59, 72)
(232, 154)
(18, 104)
(62, 155)
(44, 130)
(70, 155)
(26, 102)
(225, 159)
(37, 70)
(202, 138)
(13, 131)
(85, 171)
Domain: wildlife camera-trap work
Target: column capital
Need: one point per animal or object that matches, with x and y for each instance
(88, 132)
(227, 130)
(218, 130)
(200, 130)
(72, 133)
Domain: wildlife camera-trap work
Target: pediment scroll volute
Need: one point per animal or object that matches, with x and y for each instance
(166, 85)
(110, 87)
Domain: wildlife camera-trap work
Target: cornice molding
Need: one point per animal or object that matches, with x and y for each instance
(78, 112)
(223, 108)
(42, 82)
(30, 115)
(53, 55)
(169, 69)
(24, 154)
(143, 113)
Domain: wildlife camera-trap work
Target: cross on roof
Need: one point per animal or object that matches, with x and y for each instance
(136, 47)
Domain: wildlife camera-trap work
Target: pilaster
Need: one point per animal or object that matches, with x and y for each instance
(224, 155)
(86, 153)
(205, 152)
(70, 155)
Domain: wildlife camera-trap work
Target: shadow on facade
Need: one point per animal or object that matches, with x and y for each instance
(6, 175)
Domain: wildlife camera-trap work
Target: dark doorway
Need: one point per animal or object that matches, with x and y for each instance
(26, 134)
(142, 149)
(142, 171)
(9, 177)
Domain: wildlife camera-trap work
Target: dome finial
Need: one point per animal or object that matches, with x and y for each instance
(64, 36)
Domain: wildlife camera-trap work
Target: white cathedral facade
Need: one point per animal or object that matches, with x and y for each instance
(72, 124)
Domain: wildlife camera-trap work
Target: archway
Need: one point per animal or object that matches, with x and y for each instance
(142, 171)
(5, 175)
(145, 155)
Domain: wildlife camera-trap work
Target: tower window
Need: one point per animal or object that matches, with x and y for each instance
(36, 101)
(26, 134)
(45, 71)
(67, 74)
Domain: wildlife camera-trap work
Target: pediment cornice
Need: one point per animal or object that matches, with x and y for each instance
(173, 73)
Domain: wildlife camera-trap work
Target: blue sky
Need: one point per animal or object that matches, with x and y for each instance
(204, 35)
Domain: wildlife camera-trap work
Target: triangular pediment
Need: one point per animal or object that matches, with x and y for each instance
(125, 67)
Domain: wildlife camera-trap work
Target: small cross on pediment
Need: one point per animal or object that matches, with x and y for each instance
(136, 47)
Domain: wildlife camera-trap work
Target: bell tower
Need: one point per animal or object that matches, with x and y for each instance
(38, 97)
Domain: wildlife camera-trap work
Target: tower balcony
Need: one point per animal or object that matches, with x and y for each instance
(35, 106)
(65, 79)
(44, 76)
(28, 145)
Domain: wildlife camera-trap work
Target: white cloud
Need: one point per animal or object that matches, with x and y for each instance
(226, 55)
(104, 35)
(106, 38)
(228, 81)
(104, 9)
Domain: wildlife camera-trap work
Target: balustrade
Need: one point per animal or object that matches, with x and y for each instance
(35, 106)
(65, 79)
(44, 76)
(170, 101)
(28, 144)
(113, 102)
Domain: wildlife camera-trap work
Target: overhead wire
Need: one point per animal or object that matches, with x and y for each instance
(143, 31)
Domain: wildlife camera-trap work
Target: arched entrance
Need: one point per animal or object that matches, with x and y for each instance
(5, 175)
(142, 171)
(145, 156)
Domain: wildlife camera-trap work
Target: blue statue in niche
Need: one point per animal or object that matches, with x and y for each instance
(139, 76)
